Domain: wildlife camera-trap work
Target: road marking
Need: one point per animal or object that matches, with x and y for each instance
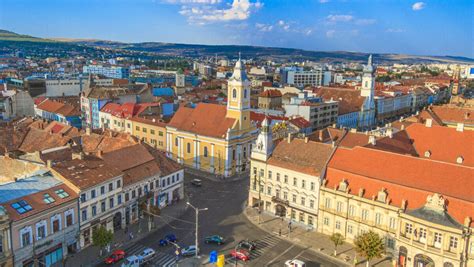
(284, 252)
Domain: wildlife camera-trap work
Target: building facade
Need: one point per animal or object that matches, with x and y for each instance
(6, 255)
(108, 71)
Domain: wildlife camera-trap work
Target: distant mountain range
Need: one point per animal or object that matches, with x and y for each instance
(230, 51)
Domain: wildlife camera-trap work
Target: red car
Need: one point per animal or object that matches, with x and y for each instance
(115, 256)
(240, 254)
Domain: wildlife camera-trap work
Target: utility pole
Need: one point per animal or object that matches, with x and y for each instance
(197, 226)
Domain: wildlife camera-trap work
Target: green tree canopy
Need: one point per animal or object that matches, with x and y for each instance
(101, 237)
(338, 240)
(369, 245)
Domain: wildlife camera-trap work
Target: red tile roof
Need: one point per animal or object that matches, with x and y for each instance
(271, 93)
(350, 100)
(204, 119)
(300, 122)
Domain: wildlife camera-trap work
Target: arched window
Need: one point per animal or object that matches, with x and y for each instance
(205, 151)
(245, 93)
(189, 147)
(234, 93)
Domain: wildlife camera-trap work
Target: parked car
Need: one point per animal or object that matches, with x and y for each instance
(248, 245)
(196, 182)
(132, 261)
(294, 263)
(240, 254)
(216, 239)
(167, 239)
(116, 256)
(188, 251)
(146, 255)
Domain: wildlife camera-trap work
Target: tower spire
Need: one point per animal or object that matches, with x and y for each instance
(370, 60)
(239, 55)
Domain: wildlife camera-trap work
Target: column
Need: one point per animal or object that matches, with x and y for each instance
(228, 158)
(198, 153)
(169, 151)
(180, 150)
(211, 165)
(195, 160)
(238, 157)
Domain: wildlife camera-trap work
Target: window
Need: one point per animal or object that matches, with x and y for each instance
(119, 183)
(303, 184)
(245, 93)
(285, 179)
(269, 191)
(261, 173)
(338, 225)
(69, 217)
(350, 229)
(152, 131)
(303, 201)
(351, 210)
(102, 206)
(26, 237)
(295, 181)
(339, 206)
(83, 198)
(310, 220)
(294, 198)
(167, 180)
(48, 199)
(453, 242)
(437, 240)
(392, 223)
(84, 214)
(137, 128)
(312, 186)
(127, 196)
(102, 190)
(41, 230)
(160, 133)
(177, 177)
(285, 195)
(111, 187)
(205, 151)
(422, 235)
(327, 204)
(390, 243)
(233, 154)
(94, 211)
(21, 206)
(92, 193)
(326, 221)
(119, 199)
(176, 142)
(111, 202)
(61, 193)
(128, 125)
(56, 225)
(301, 217)
(408, 228)
(277, 193)
(278, 177)
(188, 147)
(378, 218)
(311, 203)
(365, 215)
(144, 130)
(234, 93)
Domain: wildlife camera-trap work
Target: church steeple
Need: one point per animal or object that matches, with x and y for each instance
(368, 80)
(264, 145)
(238, 95)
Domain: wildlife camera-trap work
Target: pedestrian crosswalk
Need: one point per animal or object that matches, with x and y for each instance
(161, 259)
(263, 245)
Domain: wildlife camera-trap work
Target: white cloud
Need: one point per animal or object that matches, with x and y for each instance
(339, 18)
(395, 30)
(203, 14)
(364, 22)
(264, 27)
(208, 2)
(330, 33)
(418, 6)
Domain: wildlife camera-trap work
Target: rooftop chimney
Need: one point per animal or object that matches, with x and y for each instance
(320, 135)
(460, 127)
(429, 123)
(390, 132)
(49, 163)
(306, 139)
(372, 140)
(88, 131)
(403, 127)
(289, 138)
(79, 155)
(100, 153)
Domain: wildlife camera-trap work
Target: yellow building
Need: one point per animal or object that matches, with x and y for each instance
(215, 138)
(151, 130)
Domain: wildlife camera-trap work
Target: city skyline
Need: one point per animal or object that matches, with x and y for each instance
(408, 27)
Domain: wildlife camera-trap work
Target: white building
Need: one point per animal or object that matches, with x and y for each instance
(66, 87)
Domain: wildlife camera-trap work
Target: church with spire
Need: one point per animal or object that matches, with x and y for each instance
(367, 113)
(215, 138)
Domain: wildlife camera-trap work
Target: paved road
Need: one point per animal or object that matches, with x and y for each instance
(225, 202)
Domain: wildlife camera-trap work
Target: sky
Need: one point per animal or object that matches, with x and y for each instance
(428, 27)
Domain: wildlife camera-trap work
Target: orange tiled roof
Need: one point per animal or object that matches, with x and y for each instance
(271, 93)
(205, 119)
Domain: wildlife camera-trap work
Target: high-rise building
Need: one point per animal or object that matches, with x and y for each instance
(108, 71)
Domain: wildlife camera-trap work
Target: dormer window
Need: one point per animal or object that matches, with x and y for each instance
(427, 154)
(460, 160)
(382, 195)
(343, 185)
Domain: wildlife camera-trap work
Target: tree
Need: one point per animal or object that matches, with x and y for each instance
(101, 237)
(369, 245)
(338, 240)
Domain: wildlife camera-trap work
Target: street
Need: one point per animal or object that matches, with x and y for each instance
(225, 202)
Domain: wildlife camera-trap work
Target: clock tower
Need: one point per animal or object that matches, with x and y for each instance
(264, 146)
(238, 96)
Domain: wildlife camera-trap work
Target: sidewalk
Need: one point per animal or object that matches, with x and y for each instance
(319, 243)
(90, 255)
(215, 177)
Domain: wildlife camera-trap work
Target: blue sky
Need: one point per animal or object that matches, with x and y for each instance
(441, 27)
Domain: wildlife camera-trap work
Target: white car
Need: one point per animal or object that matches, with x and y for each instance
(188, 251)
(146, 255)
(132, 261)
(294, 263)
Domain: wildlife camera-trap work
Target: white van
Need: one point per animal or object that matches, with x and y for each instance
(294, 263)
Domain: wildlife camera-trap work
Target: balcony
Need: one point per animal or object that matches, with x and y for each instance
(280, 201)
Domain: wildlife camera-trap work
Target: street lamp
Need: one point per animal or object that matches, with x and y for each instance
(197, 225)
